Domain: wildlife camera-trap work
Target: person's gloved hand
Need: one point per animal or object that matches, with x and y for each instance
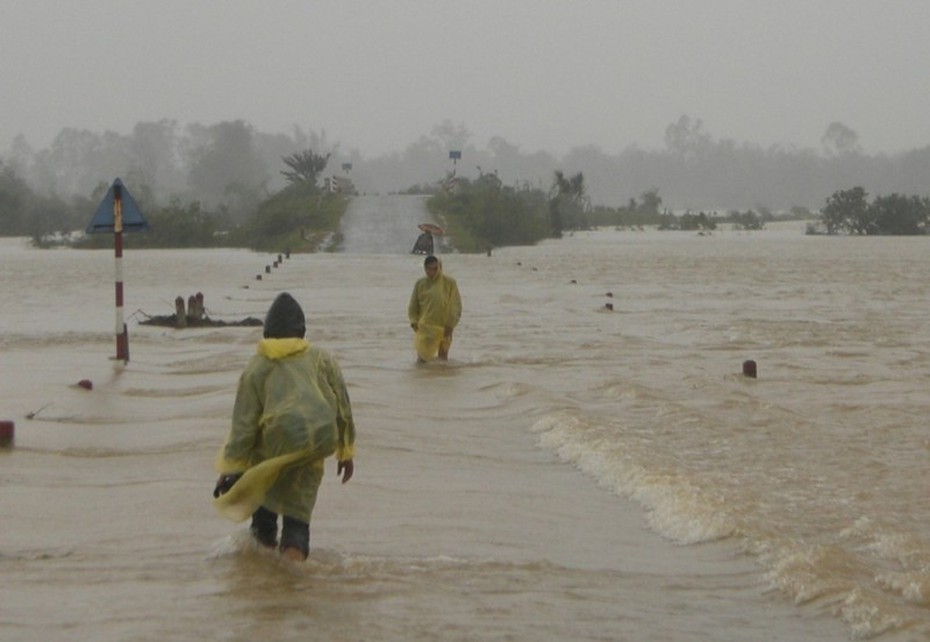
(224, 483)
(346, 469)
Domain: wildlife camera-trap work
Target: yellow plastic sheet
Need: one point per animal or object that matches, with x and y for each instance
(251, 490)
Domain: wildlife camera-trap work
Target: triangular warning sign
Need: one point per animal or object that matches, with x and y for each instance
(103, 220)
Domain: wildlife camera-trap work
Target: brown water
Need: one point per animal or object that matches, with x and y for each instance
(572, 473)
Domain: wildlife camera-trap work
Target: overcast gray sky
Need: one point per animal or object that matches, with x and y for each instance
(544, 75)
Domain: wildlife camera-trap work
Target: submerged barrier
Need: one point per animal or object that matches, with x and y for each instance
(194, 317)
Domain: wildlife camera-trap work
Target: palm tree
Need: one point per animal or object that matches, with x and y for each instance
(305, 166)
(567, 203)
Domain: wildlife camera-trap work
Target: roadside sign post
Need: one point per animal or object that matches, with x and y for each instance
(118, 211)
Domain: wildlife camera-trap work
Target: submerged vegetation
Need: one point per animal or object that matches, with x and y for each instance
(850, 212)
(484, 213)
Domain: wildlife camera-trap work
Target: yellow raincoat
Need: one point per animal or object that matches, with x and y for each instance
(291, 411)
(435, 304)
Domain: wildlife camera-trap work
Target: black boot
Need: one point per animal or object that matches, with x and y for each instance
(265, 527)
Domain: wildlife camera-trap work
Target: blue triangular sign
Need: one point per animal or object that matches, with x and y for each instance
(103, 221)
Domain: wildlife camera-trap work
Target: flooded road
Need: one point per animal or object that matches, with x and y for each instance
(378, 224)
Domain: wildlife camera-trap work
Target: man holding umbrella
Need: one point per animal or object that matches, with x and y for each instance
(424, 244)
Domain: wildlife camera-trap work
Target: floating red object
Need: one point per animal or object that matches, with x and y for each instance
(7, 430)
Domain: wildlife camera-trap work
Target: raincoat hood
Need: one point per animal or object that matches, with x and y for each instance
(438, 274)
(285, 319)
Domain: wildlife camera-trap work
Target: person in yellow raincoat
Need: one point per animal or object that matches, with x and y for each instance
(434, 310)
(291, 412)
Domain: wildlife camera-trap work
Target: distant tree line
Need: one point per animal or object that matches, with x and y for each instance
(647, 211)
(298, 217)
(697, 172)
(694, 170)
(218, 178)
(228, 167)
(850, 212)
(24, 212)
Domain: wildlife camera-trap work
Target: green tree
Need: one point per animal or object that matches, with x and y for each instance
(651, 201)
(154, 151)
(848, 210)
(177, 226)
(226, 172)
(898, 214)
(47, 215)
(305, 166)
(840, 140)
(747, 220)
(451, 136)
(15, 197)
(698, 221)
(568, 203)
(297, 217)
(485, 213)
(686, 138)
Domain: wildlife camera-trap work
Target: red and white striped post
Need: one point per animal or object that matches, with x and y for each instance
(122, 214)
(122, 334)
